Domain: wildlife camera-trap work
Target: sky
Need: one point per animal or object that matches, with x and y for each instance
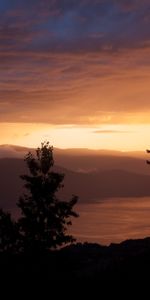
(76, 73)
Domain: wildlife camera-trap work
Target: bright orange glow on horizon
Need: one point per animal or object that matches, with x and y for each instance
(113, 137)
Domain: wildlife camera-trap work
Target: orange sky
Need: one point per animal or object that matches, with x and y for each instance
(117, 137)
(77, 74)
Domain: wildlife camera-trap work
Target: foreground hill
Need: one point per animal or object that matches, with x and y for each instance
(129, 260)
(90, 186)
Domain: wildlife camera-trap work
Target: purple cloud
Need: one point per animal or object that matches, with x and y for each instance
(76, 61)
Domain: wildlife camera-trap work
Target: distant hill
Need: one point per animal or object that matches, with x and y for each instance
(103, 162)
(86, 160)
(91, 186)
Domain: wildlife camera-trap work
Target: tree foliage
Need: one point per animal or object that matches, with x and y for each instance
(9, 235)
(44, 218)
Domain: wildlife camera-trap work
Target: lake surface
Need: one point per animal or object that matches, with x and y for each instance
(112, 221)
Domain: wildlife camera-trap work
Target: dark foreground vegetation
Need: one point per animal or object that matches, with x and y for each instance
(129, 260)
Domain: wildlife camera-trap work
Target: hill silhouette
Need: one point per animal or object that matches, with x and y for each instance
(90, 186)
(127, 261)
(86, 160)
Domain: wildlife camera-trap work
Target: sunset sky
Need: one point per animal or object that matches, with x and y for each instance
(76, 73)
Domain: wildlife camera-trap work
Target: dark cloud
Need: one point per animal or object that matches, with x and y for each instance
(78, 61)
(104, 25)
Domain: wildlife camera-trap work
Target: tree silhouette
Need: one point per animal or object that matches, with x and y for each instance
(45, 218)
(9, 235)
(148, 161)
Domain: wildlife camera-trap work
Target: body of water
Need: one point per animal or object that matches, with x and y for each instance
(112, 220)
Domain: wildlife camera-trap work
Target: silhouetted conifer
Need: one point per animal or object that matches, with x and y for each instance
(45, 218)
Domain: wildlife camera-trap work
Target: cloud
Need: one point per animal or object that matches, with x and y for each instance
(74, 62)
(109, 131)
(80, 26)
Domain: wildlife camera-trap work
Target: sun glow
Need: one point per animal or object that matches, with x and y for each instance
(115, 137)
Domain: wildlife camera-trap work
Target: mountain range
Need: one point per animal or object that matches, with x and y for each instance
(92, 175)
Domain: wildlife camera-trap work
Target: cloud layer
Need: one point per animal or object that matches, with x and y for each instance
(74, 62)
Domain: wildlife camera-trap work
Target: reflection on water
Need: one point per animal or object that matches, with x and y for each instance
(112, 220)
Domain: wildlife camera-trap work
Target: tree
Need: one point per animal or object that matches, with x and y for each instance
(9, 235)
(148, 161)
(45, 218)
